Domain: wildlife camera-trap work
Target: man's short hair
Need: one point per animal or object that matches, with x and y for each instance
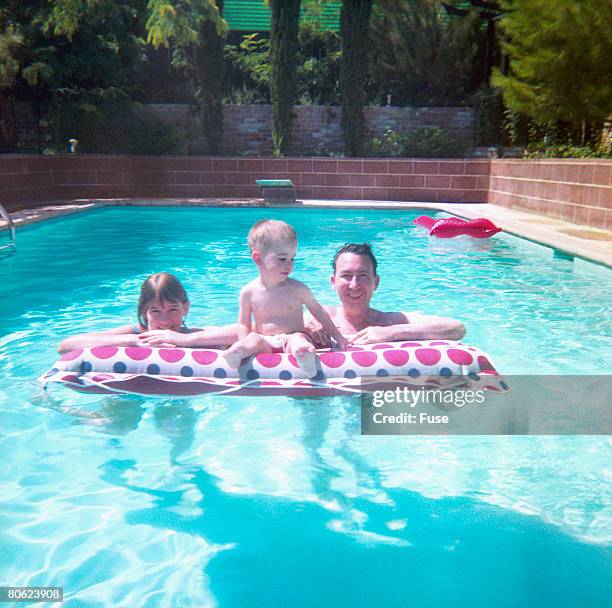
(266, 232)
(356, 249)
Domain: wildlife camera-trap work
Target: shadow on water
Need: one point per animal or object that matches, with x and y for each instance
(349, 550)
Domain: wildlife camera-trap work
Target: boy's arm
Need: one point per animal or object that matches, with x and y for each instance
(319, 313)
(244, 314)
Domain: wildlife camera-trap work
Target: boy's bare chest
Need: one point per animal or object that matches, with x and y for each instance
(276, 301)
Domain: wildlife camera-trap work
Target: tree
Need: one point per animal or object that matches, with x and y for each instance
(197, 30)
(284, 27)
(354, 25)
(560, 61)
(69, 57)
(420, 57)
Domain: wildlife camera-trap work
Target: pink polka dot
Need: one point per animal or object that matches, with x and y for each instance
(269, 359)
(428, 356)
(171, 355)
(365, 358)
(104, 352)
(204, 357)
(438, 343)
(71, 354)
(354, 348)
(485, 363)
(460, 357)
(381, 346)
(333, 359)
(396, 357)
(137, 353)
(292, 360)
(102, 377)
(409, 344)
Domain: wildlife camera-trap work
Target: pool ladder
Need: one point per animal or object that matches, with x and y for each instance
(11, 228)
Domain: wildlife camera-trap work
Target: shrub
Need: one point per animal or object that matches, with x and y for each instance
(424, 142)
(122, 129)
(570, 151)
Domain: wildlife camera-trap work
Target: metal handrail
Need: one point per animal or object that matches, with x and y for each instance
(11, 228)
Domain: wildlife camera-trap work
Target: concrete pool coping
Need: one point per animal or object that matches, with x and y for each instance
(592, 244)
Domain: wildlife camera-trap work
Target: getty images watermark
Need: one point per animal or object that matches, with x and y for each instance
(521, 405)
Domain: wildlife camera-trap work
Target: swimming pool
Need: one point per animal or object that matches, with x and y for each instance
(281, 502)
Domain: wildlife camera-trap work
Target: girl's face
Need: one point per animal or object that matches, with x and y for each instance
(166, 315)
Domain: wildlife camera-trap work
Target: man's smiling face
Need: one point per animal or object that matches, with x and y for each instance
(354, 279)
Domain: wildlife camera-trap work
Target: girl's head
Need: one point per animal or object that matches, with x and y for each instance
(163, 302)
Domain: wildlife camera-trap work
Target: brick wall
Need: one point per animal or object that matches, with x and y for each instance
(316, 129)
(27, 180)
(576, 190)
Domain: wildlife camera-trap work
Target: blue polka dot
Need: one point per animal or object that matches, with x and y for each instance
(85, 367)
(119, 367)
(153, 369)
(414, 373)
(285, 375)
(220, 373)
(252, 374)
(503, 385)
(382, 372)
(186, 370)
(350, 373)
(473, 376)
(445, 372)
(319, 376)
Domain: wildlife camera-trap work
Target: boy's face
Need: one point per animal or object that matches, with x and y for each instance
(276, 262)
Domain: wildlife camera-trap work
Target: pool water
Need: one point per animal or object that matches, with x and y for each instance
(131, 501)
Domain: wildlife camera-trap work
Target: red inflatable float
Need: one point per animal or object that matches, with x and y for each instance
(449, 227)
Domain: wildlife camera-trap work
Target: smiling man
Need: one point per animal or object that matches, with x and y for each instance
(355, 280)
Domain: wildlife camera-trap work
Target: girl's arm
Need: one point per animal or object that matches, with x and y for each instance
(118, 336)
(210, 336)
(319, 313)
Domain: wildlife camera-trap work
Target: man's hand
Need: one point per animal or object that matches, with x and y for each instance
(163, 337)
(319, 336)
(373, 334)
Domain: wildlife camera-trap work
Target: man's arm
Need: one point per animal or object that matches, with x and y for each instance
(414, 327)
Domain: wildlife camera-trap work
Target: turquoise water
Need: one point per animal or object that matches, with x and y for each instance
(126, 501)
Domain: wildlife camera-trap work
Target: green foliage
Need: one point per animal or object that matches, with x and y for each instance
(197, 31)
(121, 128)
(424, 142)
(599, 150)
(318, 65)
(283, 75)
(421, 58)
(251, 61)
(354, 25)
(560, 59)
(489, 113)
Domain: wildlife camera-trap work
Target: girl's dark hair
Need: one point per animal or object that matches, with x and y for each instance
(161, 286)
(357, 249)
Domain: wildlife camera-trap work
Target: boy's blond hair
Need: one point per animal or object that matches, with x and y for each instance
(266, 232)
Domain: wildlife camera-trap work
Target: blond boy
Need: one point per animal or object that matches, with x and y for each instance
(275, 302)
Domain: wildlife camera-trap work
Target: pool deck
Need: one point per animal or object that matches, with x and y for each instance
(572, 239)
